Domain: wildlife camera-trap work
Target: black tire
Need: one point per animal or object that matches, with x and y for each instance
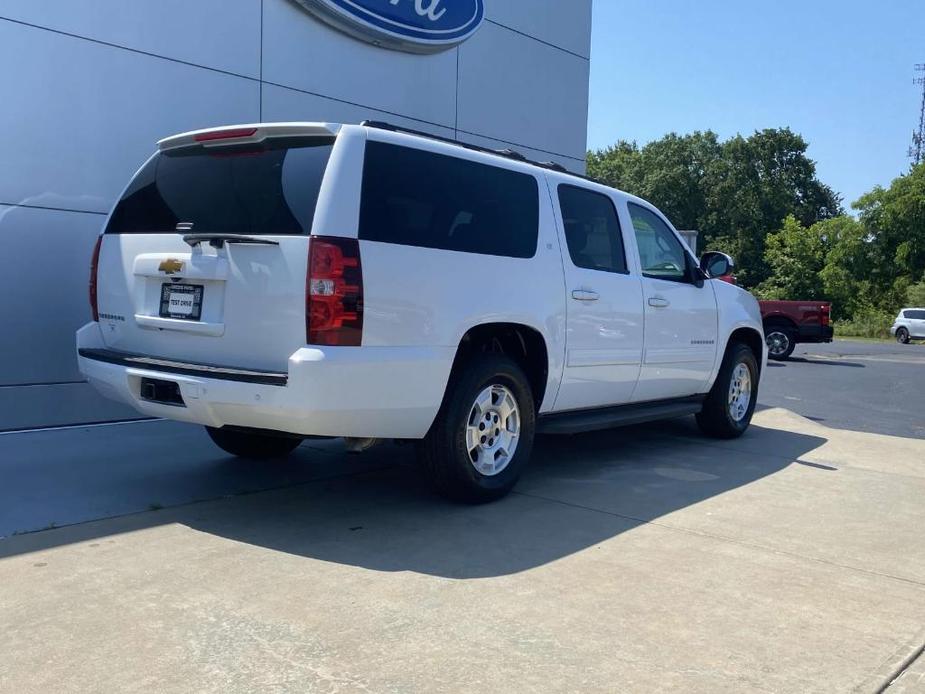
(781, 342)
(246, 444)
(444, 452)
(902, 336)
(715, 419)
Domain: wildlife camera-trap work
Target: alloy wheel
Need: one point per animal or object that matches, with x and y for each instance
(740, 392)
(493, 430)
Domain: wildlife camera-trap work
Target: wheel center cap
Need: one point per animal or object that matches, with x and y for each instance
(490, 429)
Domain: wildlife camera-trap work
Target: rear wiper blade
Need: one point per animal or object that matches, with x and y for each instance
(219, 240)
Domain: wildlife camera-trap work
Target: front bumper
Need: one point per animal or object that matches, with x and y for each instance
(376, 392)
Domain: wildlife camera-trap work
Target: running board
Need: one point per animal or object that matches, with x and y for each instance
(580, 421)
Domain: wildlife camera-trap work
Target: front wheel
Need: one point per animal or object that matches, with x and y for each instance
(482, 438)
(729, 407)
(781, 343)
(902, 336)
(253, 445)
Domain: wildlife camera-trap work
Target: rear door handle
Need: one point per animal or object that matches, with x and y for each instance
(658, 302)
(585, 295)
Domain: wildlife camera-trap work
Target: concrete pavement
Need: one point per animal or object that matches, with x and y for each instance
(638, 560)
(57, 477)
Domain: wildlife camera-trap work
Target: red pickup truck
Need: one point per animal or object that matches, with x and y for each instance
(788, 323)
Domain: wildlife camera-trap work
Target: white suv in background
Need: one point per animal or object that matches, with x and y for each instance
(909, 325)
(279, 281)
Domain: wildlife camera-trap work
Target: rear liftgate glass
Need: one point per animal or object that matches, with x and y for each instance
(264, 189)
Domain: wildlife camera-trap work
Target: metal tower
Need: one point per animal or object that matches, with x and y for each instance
(917, 150)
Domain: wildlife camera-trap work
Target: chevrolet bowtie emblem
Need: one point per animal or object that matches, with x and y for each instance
(170, 266)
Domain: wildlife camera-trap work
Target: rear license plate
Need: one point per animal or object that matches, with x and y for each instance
(182, 301)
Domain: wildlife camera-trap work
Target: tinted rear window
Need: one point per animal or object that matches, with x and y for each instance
(271, 188)
(914, 315)
(417, 198)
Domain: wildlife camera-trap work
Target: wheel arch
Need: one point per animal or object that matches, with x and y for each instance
(745, 332)
(779, 320)
(523, 343)
(752, 339)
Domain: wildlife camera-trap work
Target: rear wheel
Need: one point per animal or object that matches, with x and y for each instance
(902, 335)
(729, 407)
(483, 436)
(781, 342)
(247, 444)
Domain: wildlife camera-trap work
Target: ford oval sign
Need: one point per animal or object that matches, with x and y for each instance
(417, 26)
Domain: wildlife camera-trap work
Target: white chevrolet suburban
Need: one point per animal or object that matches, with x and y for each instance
(281, 281)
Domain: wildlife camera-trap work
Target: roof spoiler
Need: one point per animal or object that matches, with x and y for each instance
(249, 133)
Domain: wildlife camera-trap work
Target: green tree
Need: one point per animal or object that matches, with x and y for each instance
(735, 192)
(617, 166)
(845, 277)
(795, 255)
(894, 219)
(757, 182)
(759, 199)
(915, 294)
(669, 172)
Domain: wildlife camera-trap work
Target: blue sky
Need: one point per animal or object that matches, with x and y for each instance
(837, 71)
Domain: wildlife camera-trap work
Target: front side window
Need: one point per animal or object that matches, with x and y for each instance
(416, 198)
(660, 252)
(592, 230)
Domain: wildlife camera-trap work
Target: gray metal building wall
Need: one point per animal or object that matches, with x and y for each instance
(88, 86)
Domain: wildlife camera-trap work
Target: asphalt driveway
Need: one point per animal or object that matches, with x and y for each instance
(863, 386)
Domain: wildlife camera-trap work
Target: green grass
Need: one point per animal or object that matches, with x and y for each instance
(859, 338)
(866, 323)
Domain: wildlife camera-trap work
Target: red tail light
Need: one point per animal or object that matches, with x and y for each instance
(225, 134)
(334, 292)
(825, 314)
(94, 264)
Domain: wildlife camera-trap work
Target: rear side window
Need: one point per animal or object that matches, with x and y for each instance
(417, 198)
(592, 230)
(266, 189)
(914, 315)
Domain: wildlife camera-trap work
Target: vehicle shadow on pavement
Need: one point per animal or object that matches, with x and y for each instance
(578, 492)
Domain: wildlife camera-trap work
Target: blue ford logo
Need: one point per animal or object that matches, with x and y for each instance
(418, 26)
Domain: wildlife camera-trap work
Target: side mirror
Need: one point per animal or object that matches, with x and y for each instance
(715, 264)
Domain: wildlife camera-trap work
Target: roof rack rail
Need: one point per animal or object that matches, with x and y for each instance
(510, 154)
(507, 153)
(555, 166)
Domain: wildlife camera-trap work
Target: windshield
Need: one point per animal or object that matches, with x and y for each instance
(270, 188)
